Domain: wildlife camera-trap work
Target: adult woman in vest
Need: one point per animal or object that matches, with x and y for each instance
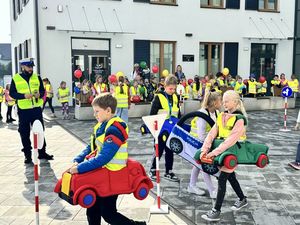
(27, 88)
(99, 85)
(49, 95)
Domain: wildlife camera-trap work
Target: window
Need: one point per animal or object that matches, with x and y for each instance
(20, 7)
(16, 59)
(162, 53)
(164, 1)
(210, 58)
(212, 3)
(25, 2)
(268, 5)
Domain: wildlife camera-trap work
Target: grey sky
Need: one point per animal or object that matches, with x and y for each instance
(5, 21)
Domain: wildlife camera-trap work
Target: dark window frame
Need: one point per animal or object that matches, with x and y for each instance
(209, 61)
(14, 8)
(266, 9)
(161, 53)
(160, 2)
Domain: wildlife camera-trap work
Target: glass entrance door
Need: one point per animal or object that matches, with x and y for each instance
(263, 58)
(98, 65)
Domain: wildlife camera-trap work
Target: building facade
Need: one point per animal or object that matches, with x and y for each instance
(203, 36)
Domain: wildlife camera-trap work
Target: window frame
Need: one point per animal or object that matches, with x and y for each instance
(209, 59)
(266, 9)
(211, 6)
(174, 3)
(161, 54)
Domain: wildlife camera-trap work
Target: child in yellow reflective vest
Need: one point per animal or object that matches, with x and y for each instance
(63, 97)
(231, 132)
(108, 149)
(240, 87)
(212, 102)
(294, 84)
(10, 102)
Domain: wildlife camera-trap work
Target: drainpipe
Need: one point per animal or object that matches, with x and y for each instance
(36, 12)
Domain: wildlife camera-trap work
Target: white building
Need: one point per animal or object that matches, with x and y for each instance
(248, 36)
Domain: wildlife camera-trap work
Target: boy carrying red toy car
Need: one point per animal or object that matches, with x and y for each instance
(108, 149)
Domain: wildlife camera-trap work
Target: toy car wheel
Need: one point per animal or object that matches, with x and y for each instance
(230, 161)
(141, 192)
(176, 145)
(87, 198)
(210, 168)
(262, 161)
(164, 136)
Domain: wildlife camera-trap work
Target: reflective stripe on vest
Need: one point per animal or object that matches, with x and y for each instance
(63, 95)
(224, 131)
(122, 99)
(24, 88)
(166, 107)
(100, 88)
(252, 87)
(194, 127)
(120, 158)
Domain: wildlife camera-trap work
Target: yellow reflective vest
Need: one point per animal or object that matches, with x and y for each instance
(28, 88)
(239, 87)
(63, 95)
(195, 92)
(1, 94)
(122, 98)
(49, 91)
(171, 109)
(252, 87)
(275, 82)
(262, 87)
(100, 88)
(194, 127)
(119, 160)
(224, 131)
(294, 84)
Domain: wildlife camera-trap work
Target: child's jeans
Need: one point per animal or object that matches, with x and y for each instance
(122, 113)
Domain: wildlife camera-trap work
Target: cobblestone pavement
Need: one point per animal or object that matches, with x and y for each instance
(273, 192)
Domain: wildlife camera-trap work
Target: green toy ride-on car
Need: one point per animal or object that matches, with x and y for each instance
(240, 153)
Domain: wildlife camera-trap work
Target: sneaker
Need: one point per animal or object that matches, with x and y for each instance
(53, 115)
(171, 177)
(195, 190)
(212, 215)
(295, 165)
(152, 175)
(140, 223)
(213, 194)
(239, 204)
(12, 119)
(45, 156)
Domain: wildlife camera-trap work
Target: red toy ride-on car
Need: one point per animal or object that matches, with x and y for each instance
(83, 188)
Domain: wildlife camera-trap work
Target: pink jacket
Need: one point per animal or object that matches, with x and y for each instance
(238, 130)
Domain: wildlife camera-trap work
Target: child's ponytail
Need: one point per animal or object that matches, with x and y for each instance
(210, 98)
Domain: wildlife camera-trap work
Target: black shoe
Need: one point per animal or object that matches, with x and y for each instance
(45, 156)
(12, 119)
(9, 121)
(28, 161)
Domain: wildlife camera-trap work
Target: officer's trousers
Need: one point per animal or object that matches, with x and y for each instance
(26, 119)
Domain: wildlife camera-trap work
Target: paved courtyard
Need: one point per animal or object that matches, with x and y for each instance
(273, 192)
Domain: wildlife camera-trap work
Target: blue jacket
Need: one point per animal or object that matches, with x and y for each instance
(109, 149)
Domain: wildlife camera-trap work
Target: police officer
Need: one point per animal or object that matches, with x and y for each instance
(27, 88)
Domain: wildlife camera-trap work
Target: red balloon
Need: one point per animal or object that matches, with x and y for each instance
(262, 79)
(245, 81)
(136, 99)
(77, 74)
(190, 81)
(112, 79)
(155, 69)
